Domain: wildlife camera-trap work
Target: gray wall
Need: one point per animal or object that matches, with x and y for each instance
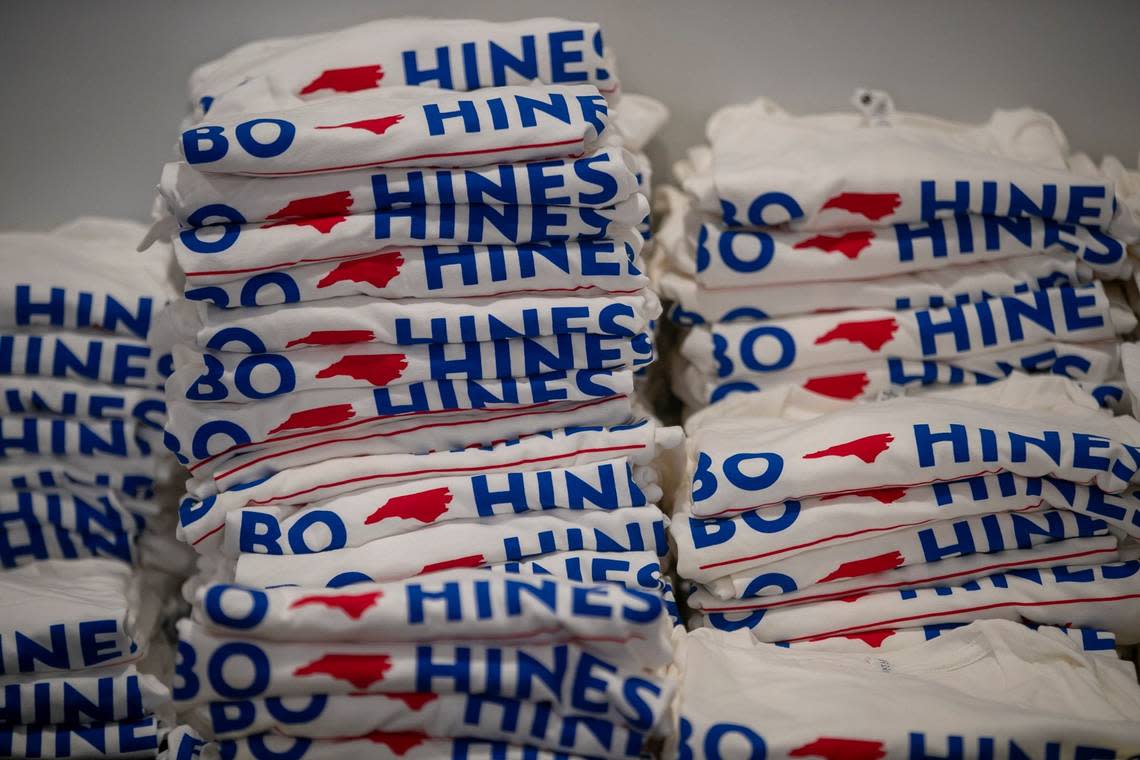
(92, 92)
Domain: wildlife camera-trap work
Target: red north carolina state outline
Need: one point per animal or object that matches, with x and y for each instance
(873, 206)
(353, 605)
(376, 126)
(868, 448)
(351, 79)
(471, 560)
(321, 212)
(332, 338)
(374, 369)
(872, 333)
(377, 270)
(839, 386)
(322, 416)
(425, 506)
(855, 568)
(836, 748)
(850, 244)
(360, 670)
(399, 742)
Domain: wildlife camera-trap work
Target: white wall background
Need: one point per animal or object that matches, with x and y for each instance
(92, 92)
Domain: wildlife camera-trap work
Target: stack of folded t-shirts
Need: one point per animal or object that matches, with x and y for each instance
(809, 519)
(992, 689)
(86, 566)
(411, 322)
(462, 663)
(871, 252)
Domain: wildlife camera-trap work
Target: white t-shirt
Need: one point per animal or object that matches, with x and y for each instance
(739, 464)
(211, 668)
(589, 267)
(831, 171)
(405, 126)
(988, 689)
(454, 54)
(361, 319)
(751, 349)
(202, 515)
(1089, 596)
(463, 605)
(604, 177)
(227, 250)
(713, 548)
(220, 376)
(697, 245)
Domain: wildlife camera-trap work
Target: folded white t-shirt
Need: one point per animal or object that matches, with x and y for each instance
(712, 548)
(85, 697)
(83, 356)
(739, 464)
(361, 319)
(831, 171)
(846, 568)
(406, 126)
(23, 394)
(133, 479)
(421, 720)
(589, 267)
(306, 427)
(223, 249)
(1095, 366)
(202, 514)
(745, 591)
(753, 349)
(211, 668)
(85, 274)
(218, 376)
(992, 688)
(392, 510)
(697, 245)
(118, 739)
(1091, 596)
(966, 283)
(72, 615)
(458, 606)
(602, 178)
(454, 54)
(470, 543)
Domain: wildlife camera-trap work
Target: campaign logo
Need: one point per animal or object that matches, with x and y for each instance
(352, 79)
(426, 507)
(376, 126)
(873, 206)
(855, 568)
(881, 495)
(839, 386)
(377, 270)
(834, 748)
(471, 560)
(398, 742)
(868, 448)
(353, 605)
(850, 244)
(322, 416)
(374, 369)
(360, 670)
(332, 338)
(321, 212)
(872, 333)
